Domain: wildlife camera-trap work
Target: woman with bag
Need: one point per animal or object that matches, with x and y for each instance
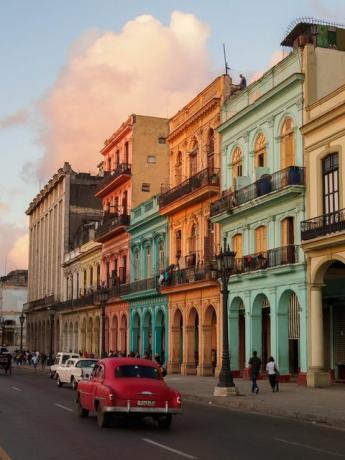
(273, 374)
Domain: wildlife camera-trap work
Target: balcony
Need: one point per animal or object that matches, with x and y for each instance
(139, 285)
(327, 224)
(187, 276)
(40, 304)
(112, 225)
(195, 189)
(276, 257)
(114, 178)
(266, 185)
(83, 301)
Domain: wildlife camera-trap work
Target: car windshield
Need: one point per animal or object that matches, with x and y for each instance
(87, 363)
(133, 371)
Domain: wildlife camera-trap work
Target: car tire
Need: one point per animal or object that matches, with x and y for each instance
(165, 421)
(58, 382)
(74, 383)
(103, 418)
(51, 375)
(82, 413)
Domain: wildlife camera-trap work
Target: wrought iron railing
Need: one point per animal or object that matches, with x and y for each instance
(110, 222)
(267, 259)
(323, 225)
(39, 303)
(174, 277)
(268, 183)
(208, 176)
(88, 299)
(139, 285)
(122, 168)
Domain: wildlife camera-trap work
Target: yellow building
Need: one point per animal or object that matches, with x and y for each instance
(193, 293)
(323, 237)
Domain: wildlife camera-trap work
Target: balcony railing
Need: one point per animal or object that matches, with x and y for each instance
(88, 299)
(111, 222)
(323, 225)
(122, 168)
(267, 259)
(206, 177)
(139, 285)
(268, 183)
(174, 277)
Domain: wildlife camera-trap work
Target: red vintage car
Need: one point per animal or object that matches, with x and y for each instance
(127, 386)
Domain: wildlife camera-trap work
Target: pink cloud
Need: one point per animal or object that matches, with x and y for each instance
(18, 118)
(147, 68)
(13, 247)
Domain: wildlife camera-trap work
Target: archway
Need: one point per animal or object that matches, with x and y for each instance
(70, 338)
(160, 335)
(75, 344)
(114, 334)
(97, 330)
(107, 334)
(177, 342)
(147, 334)
(192, 342)
(65, 337)
(261, 328)
(89, 340)
(123, 337)
(83, 335)
(209, 330)
(237, 333)
(136, 333)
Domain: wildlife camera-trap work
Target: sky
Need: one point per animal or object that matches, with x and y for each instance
(72, 71)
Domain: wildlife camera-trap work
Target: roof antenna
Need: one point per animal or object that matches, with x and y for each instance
(227, 68)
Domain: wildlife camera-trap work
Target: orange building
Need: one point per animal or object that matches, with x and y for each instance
(137, 150)
(193, 292)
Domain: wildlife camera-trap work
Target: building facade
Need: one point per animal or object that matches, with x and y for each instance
(193, 293)
(136, 150)
(148, 309)
(13, 296)
(323, 236)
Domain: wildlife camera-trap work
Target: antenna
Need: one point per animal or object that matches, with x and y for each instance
(227, 68)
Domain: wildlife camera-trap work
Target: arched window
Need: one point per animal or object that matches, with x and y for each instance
(237, 245)
(210, 149)
(287, 231)
(178, 244)
(178, 169)
(261, 239)
(237, 163)
(287, 149)
(260, 150)
(192, 239)
(161, 256)
(193, 159)
(148, 262)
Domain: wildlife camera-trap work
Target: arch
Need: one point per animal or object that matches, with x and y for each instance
(160, 334)
(287, 143)
(319, 271)
(147, 333)
(65, 337)
(260, 150)
(192, 340)
(261, 326)
(114, 333)
(237, 163)
(75, 342)
(209, 332)
(193, 158)
(97, 331)
(107, 334)
(83, 335)
(90, 335)
(237, 334)
(178, 168)
(70, 337)
(123, 334)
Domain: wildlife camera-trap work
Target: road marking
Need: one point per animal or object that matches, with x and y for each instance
(306, 446)
(64, 407)
(170, 449)
(4, 455)
(16, 389)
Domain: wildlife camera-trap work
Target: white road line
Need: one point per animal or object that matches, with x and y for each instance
(306, 446)
(170, 449)
(16, 389)
(64, 407)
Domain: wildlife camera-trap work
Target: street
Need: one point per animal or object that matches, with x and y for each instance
(37, 422)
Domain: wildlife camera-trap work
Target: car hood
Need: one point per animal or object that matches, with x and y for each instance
(139, 388)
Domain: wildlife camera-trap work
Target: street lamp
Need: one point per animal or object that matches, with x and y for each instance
(51, 313)
(21, 319)
(225, 265)
(103, 295)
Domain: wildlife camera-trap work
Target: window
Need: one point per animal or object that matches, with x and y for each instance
(145, 187)
(108, 274)
(237, 245)
(161, 256)
(330, 172)
(237, 163)
(260, 151)
(151, 159)
(148, 261)
(125, 203)
(91, 276)
(178, 244)
(117, 159)
(287, 231)
(84, 280)
(287, 149)
(210, 149)
(126, 153)
(178, 169)
(144, 372)
(192, 239)
(193, 160)
(261, 239)
(109, 164)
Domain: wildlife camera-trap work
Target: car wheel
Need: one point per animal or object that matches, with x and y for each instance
(51, 375)
(82, 413)
(103, 418)
(74, 383)
(165, 421)
(58, 382)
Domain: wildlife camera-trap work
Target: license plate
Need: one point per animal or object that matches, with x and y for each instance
(146, 403)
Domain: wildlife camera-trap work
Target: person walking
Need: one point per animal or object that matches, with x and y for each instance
(273, 374)
(255, 367)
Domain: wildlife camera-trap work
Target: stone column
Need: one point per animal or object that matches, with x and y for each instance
(205, 364)
(316, 376)
(174, 365)
(188, 365)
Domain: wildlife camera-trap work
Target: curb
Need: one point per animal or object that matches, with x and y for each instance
(237, 404)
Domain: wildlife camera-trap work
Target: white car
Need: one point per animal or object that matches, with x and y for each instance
(61, 359)
(75, 370)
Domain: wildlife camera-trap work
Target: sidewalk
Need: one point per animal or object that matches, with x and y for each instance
(320, 405)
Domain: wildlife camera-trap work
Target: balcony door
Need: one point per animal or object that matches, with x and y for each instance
(330, 173)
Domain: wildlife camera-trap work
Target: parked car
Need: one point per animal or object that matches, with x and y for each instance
(127, 386)
(60, 359)
(74, 370)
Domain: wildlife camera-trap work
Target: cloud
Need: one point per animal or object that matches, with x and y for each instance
(3, 208)
(18, 118)
(328, 12)
(147, 68)
(13, 247)
(275, 58)
(18, 255)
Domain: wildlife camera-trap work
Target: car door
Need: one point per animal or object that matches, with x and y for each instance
(63, 371)
(88, 388)
(98, 384)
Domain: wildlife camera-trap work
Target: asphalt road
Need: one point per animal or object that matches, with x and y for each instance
(37, 422)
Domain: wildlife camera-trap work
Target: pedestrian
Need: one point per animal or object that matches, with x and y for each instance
(243, 82)
(35, 359)
(255, 367)
(43, 360)
(273, 374)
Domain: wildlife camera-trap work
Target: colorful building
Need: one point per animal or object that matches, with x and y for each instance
(149, 257)
(137, 150)
(192, 291)
(323, 236)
